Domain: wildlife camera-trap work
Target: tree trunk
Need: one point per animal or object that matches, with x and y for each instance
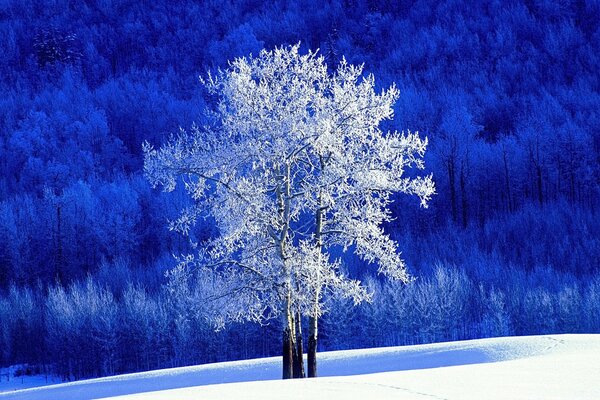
(313, 319)
(298, 350)
(451, 183)
(294, 349)
(288, 341)
(283, 198)
(312, 346)
(539, 184)
(59, 262)
(507, 180)
(463, 196)
(287, 372)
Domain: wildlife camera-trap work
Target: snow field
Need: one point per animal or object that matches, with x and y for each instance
(533, 367)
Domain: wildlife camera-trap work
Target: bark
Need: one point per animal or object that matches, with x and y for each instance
(298, 349)
(287, 372)
(314, 320)
(312, 347)
(294, 348)
(288, 318)
(288, 343)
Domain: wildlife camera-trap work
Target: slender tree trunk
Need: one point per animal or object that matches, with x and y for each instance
(298, 350)
(312, 346)
(507, 180)
(463, 196)
(572, 184)
(295, 372)
(283, 196)
(314, 319)
(451, 179)
(59, 261)
(538, 170)
(288, 343)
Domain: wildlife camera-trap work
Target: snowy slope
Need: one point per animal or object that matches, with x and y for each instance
(8, 381)
(535, 367)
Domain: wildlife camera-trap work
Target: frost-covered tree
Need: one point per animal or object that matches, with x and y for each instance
(293, 165)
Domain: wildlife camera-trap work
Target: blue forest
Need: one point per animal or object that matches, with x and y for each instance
(507, 93)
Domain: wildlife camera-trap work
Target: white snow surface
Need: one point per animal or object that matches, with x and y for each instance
(530, 367)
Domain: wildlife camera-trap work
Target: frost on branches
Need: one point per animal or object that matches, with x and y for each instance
(294, 164)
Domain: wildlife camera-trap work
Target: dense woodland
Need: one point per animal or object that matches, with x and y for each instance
(508, 93)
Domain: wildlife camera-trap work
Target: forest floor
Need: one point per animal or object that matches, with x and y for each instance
(531, 367)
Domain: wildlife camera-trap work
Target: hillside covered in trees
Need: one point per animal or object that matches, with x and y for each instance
(507, 92)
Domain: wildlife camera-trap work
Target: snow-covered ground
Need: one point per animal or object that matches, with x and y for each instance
(534, 367)
(11, 379)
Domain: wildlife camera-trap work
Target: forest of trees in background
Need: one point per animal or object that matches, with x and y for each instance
(100, 326)
(508, 93)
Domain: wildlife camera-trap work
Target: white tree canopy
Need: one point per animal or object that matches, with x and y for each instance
(294, 165)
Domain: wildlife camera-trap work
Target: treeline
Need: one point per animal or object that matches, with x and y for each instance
(534, 272)
(451, 305)
(86, 330)
(124, 319)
